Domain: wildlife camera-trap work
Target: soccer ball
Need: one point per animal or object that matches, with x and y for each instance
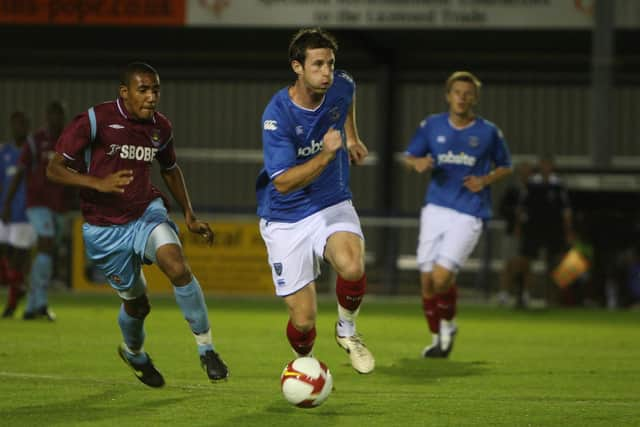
(306, 382)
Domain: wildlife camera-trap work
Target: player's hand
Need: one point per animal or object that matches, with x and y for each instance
(475, 183)
(202, 228)
(357, 151)
(331, 142)
(422, 164)
(6, 214)
(116, 182)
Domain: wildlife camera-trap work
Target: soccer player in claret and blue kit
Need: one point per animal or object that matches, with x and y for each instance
(465, 154)
(309, 138)
(16, 233)
(46, 202)
(112, 147)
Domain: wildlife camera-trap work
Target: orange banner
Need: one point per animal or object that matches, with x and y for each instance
(94, 12)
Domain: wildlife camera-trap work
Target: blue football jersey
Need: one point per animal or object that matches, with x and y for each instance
(458, 153)
(9, 156)
(292, 135)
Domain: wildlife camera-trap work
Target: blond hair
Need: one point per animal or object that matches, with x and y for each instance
(463, 76)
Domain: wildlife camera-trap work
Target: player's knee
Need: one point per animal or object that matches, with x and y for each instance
(441, 285)
(303, 322)
(45, 244)
(428, 290)
(352, 271)
(138, 308)
(304, 326)
(179, 273)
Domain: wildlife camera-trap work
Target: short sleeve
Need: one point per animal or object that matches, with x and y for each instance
(419, 143)
(74, 138)
(277, 144)
(166, 155)
(501, 156)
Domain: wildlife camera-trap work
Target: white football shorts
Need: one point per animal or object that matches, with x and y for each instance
(295, 249)
(17, 234)
(447, 238)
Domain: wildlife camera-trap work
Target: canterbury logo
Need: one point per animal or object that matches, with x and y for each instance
(116, 126)
(270, 125)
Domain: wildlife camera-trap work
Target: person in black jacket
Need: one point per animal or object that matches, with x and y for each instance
(546, 221)
(507, 210)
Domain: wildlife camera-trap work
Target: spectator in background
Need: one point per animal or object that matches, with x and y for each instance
(465, 154)
(45, 202)
(16, 235)
(546, 221)
(112, 146)
(508, 209)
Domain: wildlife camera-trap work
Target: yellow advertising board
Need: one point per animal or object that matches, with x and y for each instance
(236, 264)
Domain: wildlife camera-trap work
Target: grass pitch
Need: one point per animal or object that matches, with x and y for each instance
(578, 367)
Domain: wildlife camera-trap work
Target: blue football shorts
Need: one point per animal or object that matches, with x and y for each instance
(120, 250)
(43, 221)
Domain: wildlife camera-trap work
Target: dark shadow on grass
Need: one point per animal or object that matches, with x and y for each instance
(101, 406)
(280, 413)
(418, 369)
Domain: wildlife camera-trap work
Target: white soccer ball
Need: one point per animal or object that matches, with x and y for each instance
(306, 382)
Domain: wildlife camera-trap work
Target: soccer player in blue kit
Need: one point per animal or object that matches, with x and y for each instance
(304, 201)
(465, 154)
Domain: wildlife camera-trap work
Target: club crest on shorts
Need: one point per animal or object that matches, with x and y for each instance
(115, 279)
(277, 267)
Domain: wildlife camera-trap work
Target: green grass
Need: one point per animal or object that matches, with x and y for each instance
(545, 368)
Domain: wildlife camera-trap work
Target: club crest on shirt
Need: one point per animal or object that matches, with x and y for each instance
(474, 141)
(441, 139)
(277, 267)
(299, 130)
(155, 137)
(334, 114)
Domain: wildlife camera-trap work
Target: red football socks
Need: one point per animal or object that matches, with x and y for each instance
(431, 313)
(350, 293)
(447, 303)
(301, 342)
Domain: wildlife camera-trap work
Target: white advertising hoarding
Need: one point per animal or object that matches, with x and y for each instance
(394, 14)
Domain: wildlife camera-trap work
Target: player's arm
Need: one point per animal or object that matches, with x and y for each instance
(475, 183)
(418, 164)
(174, 179)
(57, 171)
(302, 175)
(11, 192)
(417, 156)
(357, 150)
(567, 217)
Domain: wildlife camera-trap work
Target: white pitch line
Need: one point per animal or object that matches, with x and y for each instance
(25, 375)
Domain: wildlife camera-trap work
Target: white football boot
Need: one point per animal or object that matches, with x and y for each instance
(361, 358)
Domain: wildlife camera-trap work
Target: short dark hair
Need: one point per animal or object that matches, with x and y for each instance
(18, 115)
(137, 67)
(310, 38)
(56, 106)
